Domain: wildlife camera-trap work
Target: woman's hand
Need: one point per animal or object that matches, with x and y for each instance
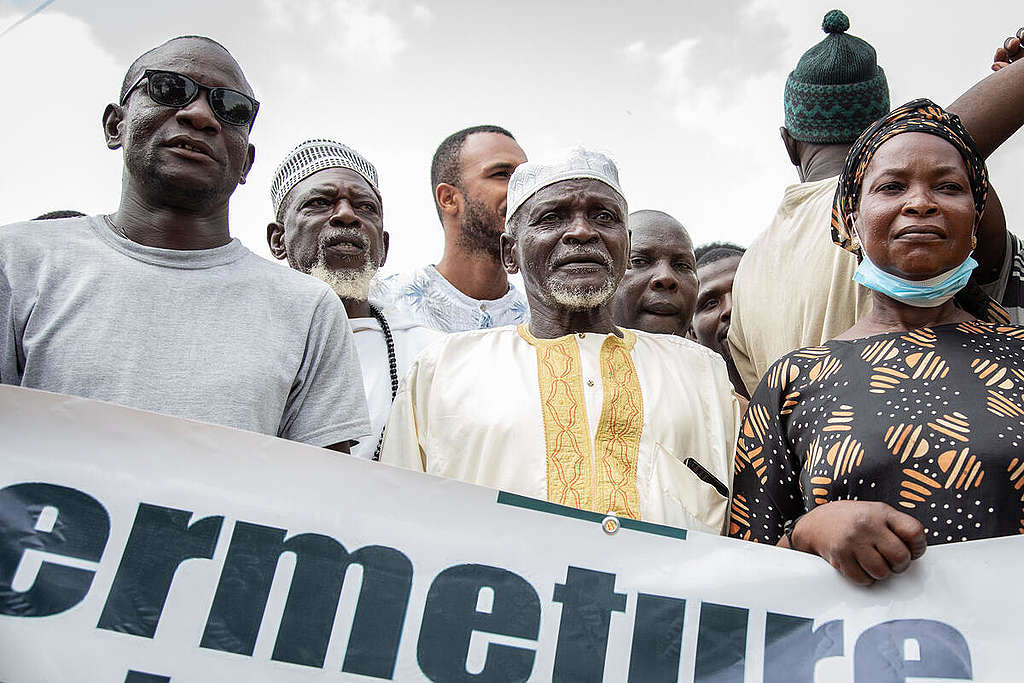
(864, 541)
(1011, 51)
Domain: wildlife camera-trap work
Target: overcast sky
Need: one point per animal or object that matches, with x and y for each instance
(686, 96)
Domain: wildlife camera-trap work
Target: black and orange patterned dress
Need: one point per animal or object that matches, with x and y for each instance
(930, 421)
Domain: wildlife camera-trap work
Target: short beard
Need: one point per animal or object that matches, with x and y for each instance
(480, 230)
(353, 285)
(583, 299)
(164, 191)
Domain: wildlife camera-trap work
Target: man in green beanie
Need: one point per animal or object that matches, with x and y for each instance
(835, 92)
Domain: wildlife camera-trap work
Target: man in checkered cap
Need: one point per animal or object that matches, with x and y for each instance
(329, 223)
(570, 408)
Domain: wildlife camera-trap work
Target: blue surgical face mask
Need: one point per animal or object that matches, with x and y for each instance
(928, 293)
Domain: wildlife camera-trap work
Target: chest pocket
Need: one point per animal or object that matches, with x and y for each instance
(678, 496)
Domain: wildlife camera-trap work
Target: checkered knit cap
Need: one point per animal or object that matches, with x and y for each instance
(316, 155)
(837, 88)
(531, 177)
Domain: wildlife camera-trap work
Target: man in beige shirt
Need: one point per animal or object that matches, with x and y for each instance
(794, 287)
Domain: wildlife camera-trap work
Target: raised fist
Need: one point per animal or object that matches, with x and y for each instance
(1010, 52)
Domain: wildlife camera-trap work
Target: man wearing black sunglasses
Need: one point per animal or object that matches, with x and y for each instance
(155, 306)
(177, 149)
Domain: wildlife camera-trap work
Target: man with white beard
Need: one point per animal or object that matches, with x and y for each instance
(329, 224)
(569, 408)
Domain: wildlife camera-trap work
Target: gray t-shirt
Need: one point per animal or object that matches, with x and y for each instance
(218, 335)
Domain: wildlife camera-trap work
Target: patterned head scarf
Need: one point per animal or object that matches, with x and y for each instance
(919, 116)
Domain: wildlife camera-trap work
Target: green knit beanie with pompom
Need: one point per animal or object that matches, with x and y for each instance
(837, 89)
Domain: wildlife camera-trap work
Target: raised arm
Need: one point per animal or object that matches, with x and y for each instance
(993, 110)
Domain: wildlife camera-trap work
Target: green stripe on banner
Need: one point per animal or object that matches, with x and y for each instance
(505, 498)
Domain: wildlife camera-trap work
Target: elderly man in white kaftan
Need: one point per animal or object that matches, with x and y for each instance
(329, 223)
(569, 408)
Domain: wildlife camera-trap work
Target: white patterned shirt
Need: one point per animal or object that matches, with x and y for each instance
(429, 299)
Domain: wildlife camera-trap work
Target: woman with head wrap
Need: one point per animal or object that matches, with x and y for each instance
(907, 429)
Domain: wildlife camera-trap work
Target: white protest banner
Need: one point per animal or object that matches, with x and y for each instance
(141, 548)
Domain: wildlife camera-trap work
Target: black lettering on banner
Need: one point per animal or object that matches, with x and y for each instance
(141, 677)
(721, 644)
(160, 540)
(305, 630)
(450, 616)
(880, 656)
(588, 599)
(792, 646)
(657, 639)
(80, 531)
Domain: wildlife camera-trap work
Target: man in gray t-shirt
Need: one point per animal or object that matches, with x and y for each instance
(156, 306)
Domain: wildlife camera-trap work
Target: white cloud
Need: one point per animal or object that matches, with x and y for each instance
(279, 14)
(731, 110)
(690, 108)
(636, 51)
(422, 14)
(364, 35)
(674, 62)
(730, 166)
(53, 143)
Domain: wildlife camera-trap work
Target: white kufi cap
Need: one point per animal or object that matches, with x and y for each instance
(531, 177)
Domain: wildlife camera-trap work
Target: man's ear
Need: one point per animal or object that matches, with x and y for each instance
(507, 244)
(387, 245)
(449, 198)
(113, 117)
(250, 157)
(275, 239)
(792, 146)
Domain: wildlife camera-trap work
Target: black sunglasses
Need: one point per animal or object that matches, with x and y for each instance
(172, 89)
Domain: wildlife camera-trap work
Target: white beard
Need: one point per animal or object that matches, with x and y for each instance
(347, 284)
(576, 299)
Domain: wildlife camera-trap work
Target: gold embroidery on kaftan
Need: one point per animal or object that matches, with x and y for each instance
(617, 441)
(575, 477)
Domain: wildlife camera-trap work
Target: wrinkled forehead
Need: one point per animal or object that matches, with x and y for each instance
(336, 178)
(575, 191)
(199, 59)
